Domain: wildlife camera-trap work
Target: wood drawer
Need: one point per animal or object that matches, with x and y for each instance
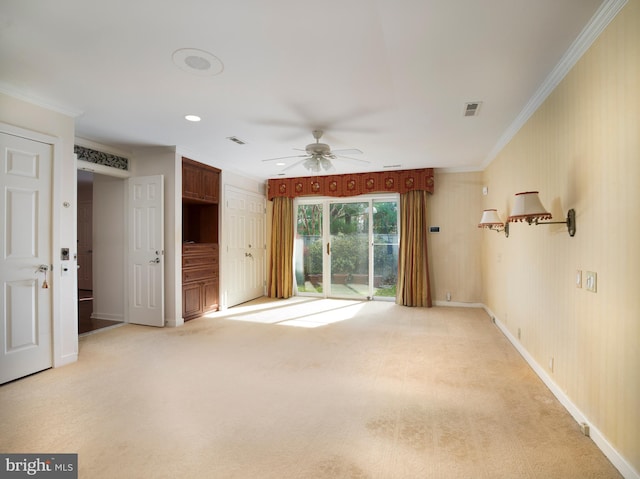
(192, 261)
(199, 274)
(203, 249)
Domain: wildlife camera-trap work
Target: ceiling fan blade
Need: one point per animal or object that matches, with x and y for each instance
(293, 165)
(352, 151)
(285, 157)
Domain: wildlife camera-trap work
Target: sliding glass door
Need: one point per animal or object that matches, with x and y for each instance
(347, 248)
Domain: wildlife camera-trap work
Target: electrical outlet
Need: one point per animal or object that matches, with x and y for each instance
(578, 278)
(591, 283)
(584, 427)
(551, 364)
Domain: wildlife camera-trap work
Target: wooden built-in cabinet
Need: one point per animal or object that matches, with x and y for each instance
(200, 193)
(199, 279)
(200, 182)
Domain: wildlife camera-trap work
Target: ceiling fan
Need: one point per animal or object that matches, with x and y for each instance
(318, 155)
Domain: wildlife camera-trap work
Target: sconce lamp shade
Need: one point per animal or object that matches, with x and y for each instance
(490, 219)
(527, 207)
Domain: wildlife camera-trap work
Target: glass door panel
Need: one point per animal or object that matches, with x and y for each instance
(349, 254)
(308, 249)
(385, 248)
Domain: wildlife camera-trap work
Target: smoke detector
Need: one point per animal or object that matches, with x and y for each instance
(197, 62)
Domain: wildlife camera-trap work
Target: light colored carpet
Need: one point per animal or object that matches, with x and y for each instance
(392, 392)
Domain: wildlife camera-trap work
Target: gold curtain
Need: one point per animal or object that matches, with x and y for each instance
(281, 251)
(413, 265)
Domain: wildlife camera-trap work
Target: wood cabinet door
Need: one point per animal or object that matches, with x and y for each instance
(210, 295)
(192, 300)
(210, 184)
(191, 182)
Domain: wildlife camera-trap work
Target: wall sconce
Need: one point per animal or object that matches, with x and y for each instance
(491, 220)
(527, 207)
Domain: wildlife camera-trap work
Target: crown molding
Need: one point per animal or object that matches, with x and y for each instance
(459, 169)
(603, 16)
(10, 91)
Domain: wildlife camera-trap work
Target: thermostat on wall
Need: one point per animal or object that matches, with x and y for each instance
(434, 229)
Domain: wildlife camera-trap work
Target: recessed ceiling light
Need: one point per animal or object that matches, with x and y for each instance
(198, 62)
(192, 118)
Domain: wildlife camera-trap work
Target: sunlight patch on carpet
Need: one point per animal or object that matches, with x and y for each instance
(302, 314)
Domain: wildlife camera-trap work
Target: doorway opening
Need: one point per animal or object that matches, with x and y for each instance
(98, 307)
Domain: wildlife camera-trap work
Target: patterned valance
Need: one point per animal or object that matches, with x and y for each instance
(100, 158)
(396, 181)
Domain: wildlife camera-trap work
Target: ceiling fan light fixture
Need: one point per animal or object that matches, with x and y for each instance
(312, 164)
(326, 163)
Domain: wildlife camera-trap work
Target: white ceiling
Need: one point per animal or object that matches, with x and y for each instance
(390, 78)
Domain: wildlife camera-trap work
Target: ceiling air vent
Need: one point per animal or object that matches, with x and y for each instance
(472, 108)
(237, 140)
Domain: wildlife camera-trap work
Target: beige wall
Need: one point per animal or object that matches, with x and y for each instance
(109, 247)
(455, 252)
(580, 150)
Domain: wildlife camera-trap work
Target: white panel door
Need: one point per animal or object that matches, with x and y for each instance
(25, 245)
(245, 230)
(146, 250)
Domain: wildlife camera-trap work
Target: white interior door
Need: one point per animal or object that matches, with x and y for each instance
(245, 231)
(146, 250)
(25, 245)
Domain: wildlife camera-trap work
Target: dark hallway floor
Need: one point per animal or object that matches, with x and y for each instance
(86, 324)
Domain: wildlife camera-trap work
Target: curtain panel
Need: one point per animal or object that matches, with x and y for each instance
(396, 181)
(413, 287)
(281, 251)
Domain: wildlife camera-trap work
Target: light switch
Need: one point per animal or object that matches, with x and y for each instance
(592, 281)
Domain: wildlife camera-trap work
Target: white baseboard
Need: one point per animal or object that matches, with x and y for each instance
(620, 463)
(107, 316)
(64, 360)
(458, 304)
(174, 322)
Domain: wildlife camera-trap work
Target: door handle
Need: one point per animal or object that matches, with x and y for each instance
(43, 268)
(249, 255)
(154, 261)
(328, 248)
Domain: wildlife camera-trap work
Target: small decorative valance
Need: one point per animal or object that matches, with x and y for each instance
(396, 181)
(101, 158)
